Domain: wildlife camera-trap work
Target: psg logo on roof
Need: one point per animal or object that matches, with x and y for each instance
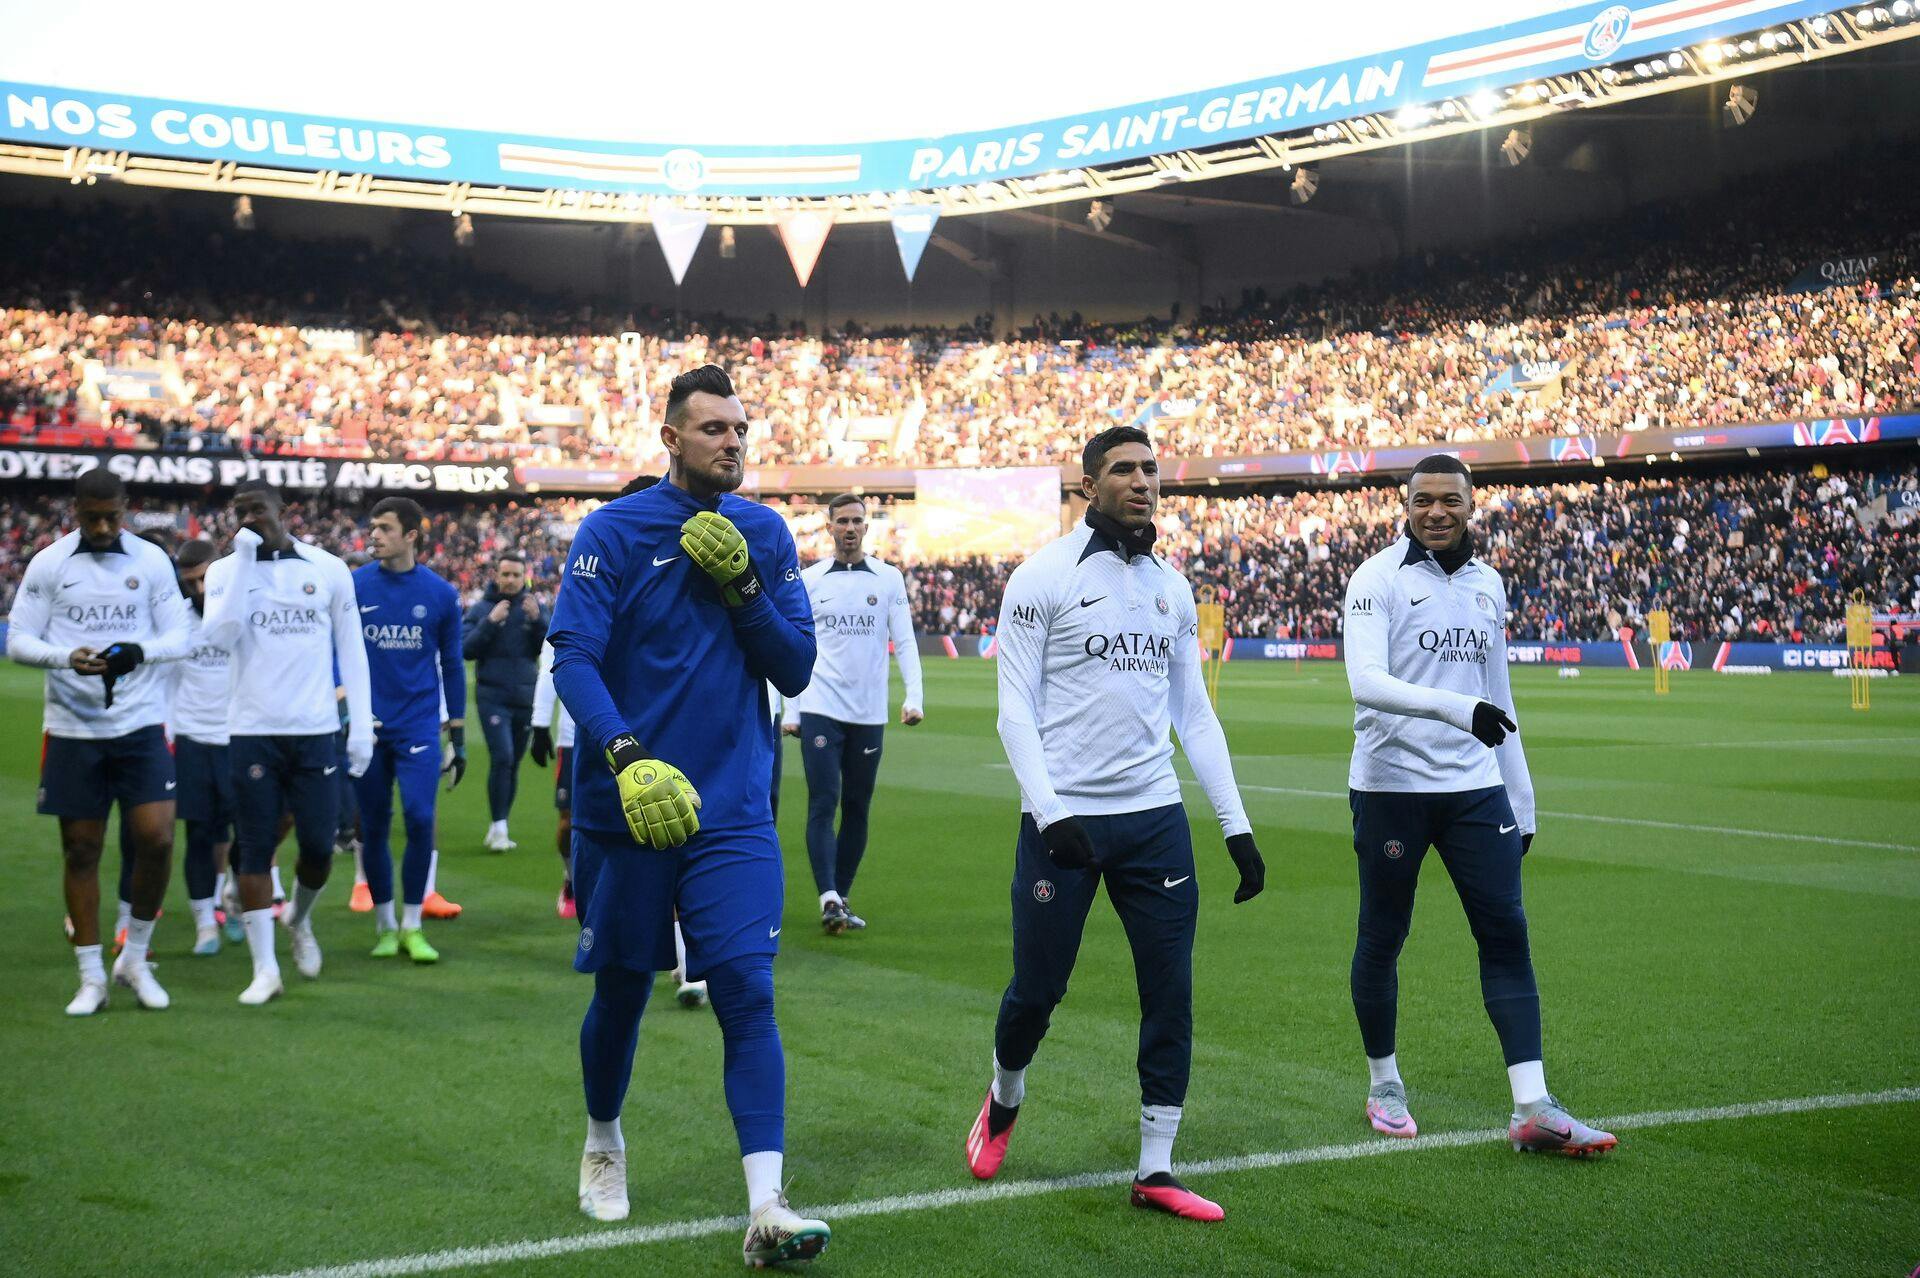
(1607, 32)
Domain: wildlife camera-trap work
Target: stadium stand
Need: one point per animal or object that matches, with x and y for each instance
(1672, 316)
(1759, 555)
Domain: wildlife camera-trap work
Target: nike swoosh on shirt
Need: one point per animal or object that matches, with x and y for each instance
(327, 772)
(1508, 829)
(772, 932)
(415, 749)
(171, 784)
(1174, 883)
(658, 563)
(1088, 603)
(874, 750)
(368, 607)
(1415, 603)
(69, 585)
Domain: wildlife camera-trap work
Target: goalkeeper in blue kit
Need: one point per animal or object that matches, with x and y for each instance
(682, 603)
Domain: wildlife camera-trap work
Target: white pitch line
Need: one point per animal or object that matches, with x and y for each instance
(1785, 836)
(898, 1204)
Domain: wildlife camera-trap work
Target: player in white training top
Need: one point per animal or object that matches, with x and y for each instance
(97, 610)
(860, 609)
(201, 688)
(1437, 762)
(285, 609)
(1099, 657)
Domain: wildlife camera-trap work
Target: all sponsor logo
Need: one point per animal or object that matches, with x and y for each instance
(1026, 615)
(586, 566)
(1043, 891)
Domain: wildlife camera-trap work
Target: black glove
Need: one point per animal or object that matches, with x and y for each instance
(1491, 724)
(457, 764)
(542, 748)
(120, 659)
(1253, 870)
(1526, 844)
(1068, 845)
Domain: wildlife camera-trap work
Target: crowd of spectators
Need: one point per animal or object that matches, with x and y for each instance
(1671, 316)
(1765, 555)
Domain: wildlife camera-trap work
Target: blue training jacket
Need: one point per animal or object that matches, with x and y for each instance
(643, 644)
(411, 621)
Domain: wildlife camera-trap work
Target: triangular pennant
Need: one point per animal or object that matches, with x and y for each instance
(805, 234)
(679, 231)
(912, 228)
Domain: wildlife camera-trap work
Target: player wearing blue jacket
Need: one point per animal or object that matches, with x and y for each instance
(411, 619)
(681, 603)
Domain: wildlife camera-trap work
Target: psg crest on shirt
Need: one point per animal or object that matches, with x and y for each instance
(872, 600)
(1043, 891)
(1160, 602)
(308, 588)
(1484, 602)
(133, 583)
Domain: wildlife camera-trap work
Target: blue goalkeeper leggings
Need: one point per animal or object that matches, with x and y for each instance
(1479, 843)
(755, 1069)
(415, 764)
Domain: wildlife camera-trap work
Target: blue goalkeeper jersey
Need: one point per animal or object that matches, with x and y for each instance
(411, 621)
(642, 644)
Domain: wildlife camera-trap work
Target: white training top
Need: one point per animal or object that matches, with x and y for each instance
(548, 710)
(1099, 655)
(70, 598)
(202, 683)
(858, 610)
(1423, 649)
(285, 616)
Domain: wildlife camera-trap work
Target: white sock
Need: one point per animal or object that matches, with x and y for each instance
(1529, 1081)
(279, 889)
(259, 924)
(410, 918)
(1009, 1085)
(763, 1177)
(303, 899)
(497, 830)
(433, 870)
(1158, 1126)
(139, 937)
(220, 886)
(124, 917)
(88, 956)
(359, 866)
(679, 952)
(829, 896)
(604, 1138)
(383, 916)
(1383, 1069)
(202, 912)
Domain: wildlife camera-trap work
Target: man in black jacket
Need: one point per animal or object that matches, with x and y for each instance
(504, 632)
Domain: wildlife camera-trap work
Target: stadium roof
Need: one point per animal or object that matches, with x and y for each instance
(753, 115)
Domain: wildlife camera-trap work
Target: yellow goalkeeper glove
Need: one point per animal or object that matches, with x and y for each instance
(656, 798)
(712, 541)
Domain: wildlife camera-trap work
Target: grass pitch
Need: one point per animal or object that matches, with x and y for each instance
(1725, 899)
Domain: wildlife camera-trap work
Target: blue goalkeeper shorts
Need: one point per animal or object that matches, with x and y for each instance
(726, 887)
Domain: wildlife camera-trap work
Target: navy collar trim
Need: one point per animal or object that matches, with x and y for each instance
(119, 546)
(1417, 552)
(862, 566)
(1109, 534)
(292, 551)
